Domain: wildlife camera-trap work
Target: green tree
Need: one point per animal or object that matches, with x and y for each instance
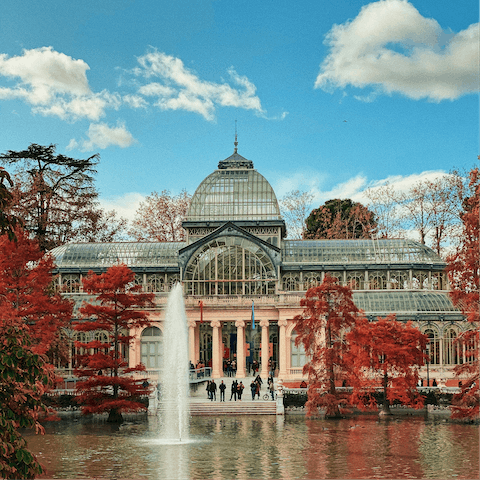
(23, 380)
(340, 219)
(7, 221)
(52, 193)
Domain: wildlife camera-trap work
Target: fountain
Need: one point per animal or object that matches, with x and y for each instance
(174, 381)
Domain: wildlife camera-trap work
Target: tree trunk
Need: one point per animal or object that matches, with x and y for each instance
(114, 416)
(385, 410)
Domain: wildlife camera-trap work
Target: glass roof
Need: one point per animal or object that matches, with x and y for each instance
(234, 192)
(133, 254)
(357, 251)
(402, 302)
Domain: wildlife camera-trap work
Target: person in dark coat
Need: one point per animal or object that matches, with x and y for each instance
(234, 390)
(213, 391)
(253, 388)
(222, 387)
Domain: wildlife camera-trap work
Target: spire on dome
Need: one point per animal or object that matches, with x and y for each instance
(235, 161)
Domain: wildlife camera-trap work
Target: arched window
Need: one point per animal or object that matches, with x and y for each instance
(398, 280)
(311, 279)
(433, 346)
(172, 280)
(291, 282)
(230, 265)
(71, 283)
(77, 350)
(103, 338)
(451, 348)
(151, 347)
(378, 280)
(438, 281)
(355, 280)
(337, 275)
(297, 356)
(155, 283)
(420, 280)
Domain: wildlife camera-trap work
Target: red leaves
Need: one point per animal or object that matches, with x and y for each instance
(26, 285)
(464, 275)
(328, 312)
(386, 353)
(107, 382)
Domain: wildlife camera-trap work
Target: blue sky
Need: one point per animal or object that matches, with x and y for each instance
(331, 97)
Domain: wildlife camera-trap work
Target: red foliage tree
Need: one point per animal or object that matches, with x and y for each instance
(328, 312)
(26, 286)
(464, 274)
(385, 353)
(108, 384)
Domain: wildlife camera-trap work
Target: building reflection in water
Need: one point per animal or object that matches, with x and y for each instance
(262, 447)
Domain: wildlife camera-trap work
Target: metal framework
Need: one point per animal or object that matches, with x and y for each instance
(234, 195)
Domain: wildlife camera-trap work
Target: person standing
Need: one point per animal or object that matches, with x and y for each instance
(213, 387)
(240, 388)
(209, 392)
(272, 390)
(222, 387)
(234, 391)
(253, 388)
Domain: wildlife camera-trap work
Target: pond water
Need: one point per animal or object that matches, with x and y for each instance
(262, 447)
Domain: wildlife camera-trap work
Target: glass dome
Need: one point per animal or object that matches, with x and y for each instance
(234, 192)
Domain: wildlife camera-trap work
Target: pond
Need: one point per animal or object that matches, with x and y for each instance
(262, 447)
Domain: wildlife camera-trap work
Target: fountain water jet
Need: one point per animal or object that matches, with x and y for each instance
(174, 381)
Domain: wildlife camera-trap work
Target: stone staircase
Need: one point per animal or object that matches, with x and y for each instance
(257, 407)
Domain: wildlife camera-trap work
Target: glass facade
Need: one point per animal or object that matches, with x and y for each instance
(230, 266)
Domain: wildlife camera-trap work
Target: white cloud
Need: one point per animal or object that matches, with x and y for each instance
(393, 48)
(179, 88)
(54, 84)
(43, 72)
(100, 135)
(125, 205)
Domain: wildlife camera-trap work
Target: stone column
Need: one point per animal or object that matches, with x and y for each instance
(265, 356)
(240, 324)
(216, 360)
(191, 341)
(282, 372)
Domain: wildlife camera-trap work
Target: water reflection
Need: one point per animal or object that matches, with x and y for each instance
(263, 447)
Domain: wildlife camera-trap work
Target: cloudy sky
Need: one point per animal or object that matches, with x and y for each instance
(331, 97)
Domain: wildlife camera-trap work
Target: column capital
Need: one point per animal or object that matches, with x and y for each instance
(192, 323)
(215, 324)
(282, 323)
(240, 324)
(264, 323)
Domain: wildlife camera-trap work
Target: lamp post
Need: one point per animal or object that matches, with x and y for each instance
(428, 362)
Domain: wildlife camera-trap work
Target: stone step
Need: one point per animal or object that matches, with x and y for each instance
(233, 408)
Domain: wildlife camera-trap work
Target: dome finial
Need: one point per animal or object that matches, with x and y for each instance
(235, 143)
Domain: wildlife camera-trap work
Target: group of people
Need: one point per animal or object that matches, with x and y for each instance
(230, 367)
(237, 389)
(212, 390)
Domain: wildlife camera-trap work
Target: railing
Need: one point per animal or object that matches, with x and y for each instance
(68, 385)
